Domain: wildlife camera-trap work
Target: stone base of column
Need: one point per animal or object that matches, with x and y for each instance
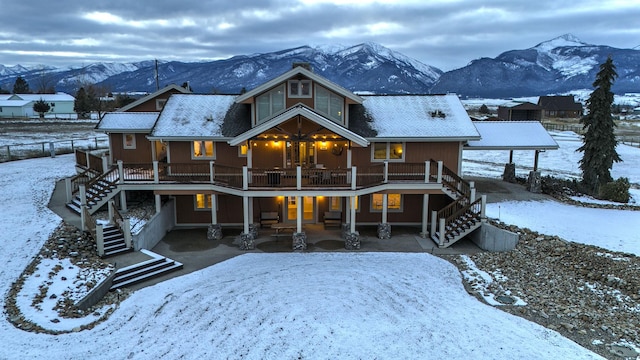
(253, 230)
(384, 231)
(214, 232)
(299, 241)
(346, 230)
(247, 242)
(534, 183)
(509, 174)
(352, 241)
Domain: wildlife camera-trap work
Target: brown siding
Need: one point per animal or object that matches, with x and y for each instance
(141, 154)
(411, 209)
(150, 105)
(416, 153)
(229, 210)
(180, 152)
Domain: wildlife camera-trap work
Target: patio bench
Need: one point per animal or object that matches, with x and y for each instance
(268, 218)
(332, 218)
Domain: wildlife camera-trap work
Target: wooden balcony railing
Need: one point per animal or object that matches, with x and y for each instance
(294, 178)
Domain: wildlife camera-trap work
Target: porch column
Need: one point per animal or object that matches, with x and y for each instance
(353, 214)
(472, 185)
(535, 160)
(158, 204)
(425, 214)
(299, 206)
(245, 210)
(349, 155)
(250, 201)
(386, 172)
(121, 171)
(440, 165)
(214, 209)
(156, 174)
(123, 201)
(427, 171)
(249, 155)
(347, 210)
(385, 202)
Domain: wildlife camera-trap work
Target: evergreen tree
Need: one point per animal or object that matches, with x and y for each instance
(484, 109)
(21, 86)
(599, 141)
(41, 107)
(81, 105)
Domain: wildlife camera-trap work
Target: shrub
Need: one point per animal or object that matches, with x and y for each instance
(617, 191)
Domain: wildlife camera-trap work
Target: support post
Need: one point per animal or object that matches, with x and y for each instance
(110, 207)
(156, 172)
(440, 165)
(425, 213)
(427, 171)
(535, 160)
(441, 231)
(158, 204)
(483, 207)
(86, 156)
(121, 172)
(245, 210)
(385, 203)
(126, 229)
(214, 209)
(83, 194)
(298, 179)
(211, 171)
(67, 186)
(299, 206)
(353, 178)
(434, 218)
(123, 201)
(245, 178)
(105, 163)
(472, 185)
(386, 172)
(99, 240)
(353, 214)
(348, 155)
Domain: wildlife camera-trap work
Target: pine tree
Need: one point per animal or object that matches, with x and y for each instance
(41, 107)
(21, 86)
(599, 141)
(81, 105)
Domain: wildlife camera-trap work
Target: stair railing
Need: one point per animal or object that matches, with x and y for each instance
(120, 222)
(110, 177)
(442, 221)
(454, 182)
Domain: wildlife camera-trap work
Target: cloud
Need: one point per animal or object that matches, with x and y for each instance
(445, 34)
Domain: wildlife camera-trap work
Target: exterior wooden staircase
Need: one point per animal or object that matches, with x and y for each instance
(460, 218)
(156, 266)
(114, 242)
(97, 190)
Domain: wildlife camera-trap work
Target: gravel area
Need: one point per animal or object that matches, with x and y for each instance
(588, 294)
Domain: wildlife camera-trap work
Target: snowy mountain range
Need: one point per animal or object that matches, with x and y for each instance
(555, 66)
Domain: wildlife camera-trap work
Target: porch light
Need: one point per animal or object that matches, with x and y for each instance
(323, 145)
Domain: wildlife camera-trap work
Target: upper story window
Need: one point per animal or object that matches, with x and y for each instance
(329, 103)
(129, 141)
(392, 151)
(202, 149)
(269, 103)
(299, 88)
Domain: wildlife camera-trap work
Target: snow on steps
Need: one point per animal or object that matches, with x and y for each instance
(136, 273)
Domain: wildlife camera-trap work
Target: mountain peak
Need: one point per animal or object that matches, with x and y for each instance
(560, 41)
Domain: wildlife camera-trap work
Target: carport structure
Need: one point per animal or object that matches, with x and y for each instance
(514, 135)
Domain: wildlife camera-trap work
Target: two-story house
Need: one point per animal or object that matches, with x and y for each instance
(301, 148)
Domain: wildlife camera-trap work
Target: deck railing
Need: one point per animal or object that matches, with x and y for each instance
(296, 178)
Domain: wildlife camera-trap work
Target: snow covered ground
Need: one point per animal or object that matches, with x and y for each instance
(320, 305)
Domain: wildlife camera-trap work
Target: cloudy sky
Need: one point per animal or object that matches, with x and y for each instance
(445, 33)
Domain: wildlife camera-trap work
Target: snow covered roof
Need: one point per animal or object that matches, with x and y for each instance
(512, 135)
(14, 103)
(153, 95)
(193, 116)
(46, 97)
(419, 116)
(124, 121)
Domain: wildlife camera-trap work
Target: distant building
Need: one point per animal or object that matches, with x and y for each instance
(560, 106)
(21, 105)
(519, 111)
